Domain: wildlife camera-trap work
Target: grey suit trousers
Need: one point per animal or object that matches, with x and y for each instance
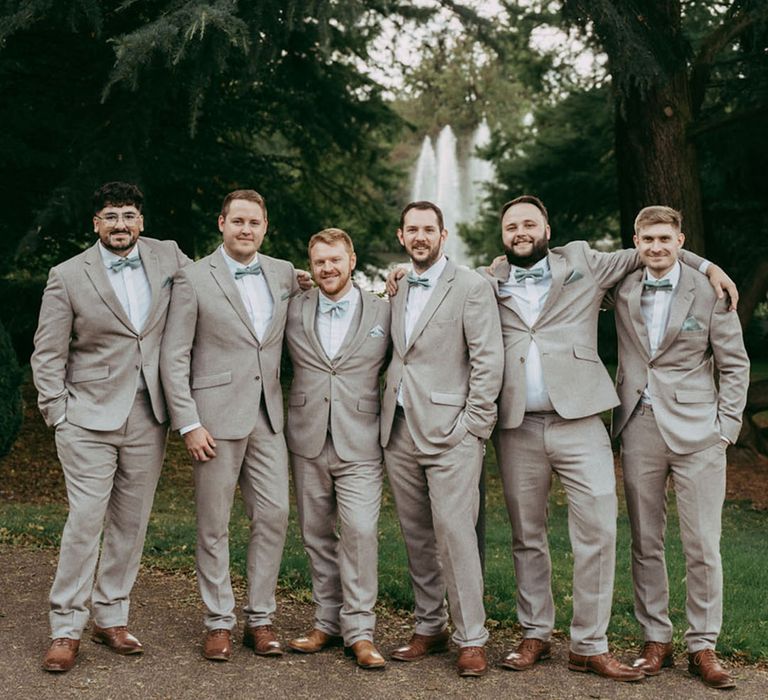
(437, 499)
(579, 452)
(699, 482)
(344, 565)
(111, 478)
(259, 464)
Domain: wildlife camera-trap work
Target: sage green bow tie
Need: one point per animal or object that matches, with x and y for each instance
(337, 309)
(536, 274)
(117, 265)
(663, 285)
(253, 269)
(416, 281)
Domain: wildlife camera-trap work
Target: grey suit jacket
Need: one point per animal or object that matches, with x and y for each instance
(699, 376)
(214, 369)
(88, 356)
(342, 394)
(565, 332)
(451, 370)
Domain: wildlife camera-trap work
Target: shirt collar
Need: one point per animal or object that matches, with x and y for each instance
(433, 272)
(352, 296)
(673, 275)
(108, 257)
(232, 264)
(542, 264)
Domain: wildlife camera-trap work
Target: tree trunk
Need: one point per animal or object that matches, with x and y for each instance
(656, 160)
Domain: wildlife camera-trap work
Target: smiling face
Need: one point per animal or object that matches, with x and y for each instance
(332, 265)
(118, 228)
(659, 246)
(422, 238)
(524, 234)
(243, 229)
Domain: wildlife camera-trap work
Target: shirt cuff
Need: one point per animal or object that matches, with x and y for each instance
(189, 428)
(704, 266)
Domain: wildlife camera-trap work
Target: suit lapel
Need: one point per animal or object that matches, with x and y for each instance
(559, 269)
(151, 265)
(273, 283)
(398, 316)
(634, 294)
(308, 314)
(97, 273)
(226, 283)
(358, 328)
(499, 277)
(682, 300)
(442, 286)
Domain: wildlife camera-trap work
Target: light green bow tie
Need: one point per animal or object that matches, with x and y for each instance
(663, 285)
(536, 274)
(337, 309)
(117, 265)
(254, 269)
(416, 281)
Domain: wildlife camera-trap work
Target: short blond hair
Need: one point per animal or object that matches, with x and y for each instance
(248, 196)
(658, 214)
(329, 236)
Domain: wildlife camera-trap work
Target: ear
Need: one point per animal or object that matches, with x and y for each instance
(400, 237)
(221, 223)
(635, 240)
(352, 261)
(443, 234)
(680, 239)
(548, 231)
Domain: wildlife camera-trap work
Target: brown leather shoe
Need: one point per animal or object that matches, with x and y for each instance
(217, 645)
(61, 654)
(419, 645)
(471, 662)
(315, 641)
(528, 652)
(704, 663)
(366, 655)
(654, 657)
(118, 639)
(262, 640)
(604, 665)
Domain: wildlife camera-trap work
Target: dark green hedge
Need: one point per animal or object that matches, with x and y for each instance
(10, 393)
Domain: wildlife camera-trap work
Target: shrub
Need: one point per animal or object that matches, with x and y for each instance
(10, 393)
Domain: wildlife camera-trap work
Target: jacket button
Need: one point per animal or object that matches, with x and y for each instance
(650, 364)
(522, 359)
(333, 371)
(325, 398)
(638, 391)
(258, 378)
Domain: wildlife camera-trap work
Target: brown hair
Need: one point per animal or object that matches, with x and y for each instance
(658, 214)
(329, 236)
(423, 206)
(248, 195)
(526, 199)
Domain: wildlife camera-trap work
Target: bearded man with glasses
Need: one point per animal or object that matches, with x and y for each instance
(95, 367)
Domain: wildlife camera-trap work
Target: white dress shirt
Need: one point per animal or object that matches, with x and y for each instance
(418, 297)
(530, 295)
(332, 329)
(255, 294)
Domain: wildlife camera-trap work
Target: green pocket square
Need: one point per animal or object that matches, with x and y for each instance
(575, 275)
(691, 324)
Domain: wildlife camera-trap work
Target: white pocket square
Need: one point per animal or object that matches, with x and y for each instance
(376, 332)
(575, 275)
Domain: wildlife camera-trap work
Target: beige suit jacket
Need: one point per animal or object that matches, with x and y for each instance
(565, 332)
(699, 376)
(214, 368)
(88, 356)
(452, 367)
(339, 395)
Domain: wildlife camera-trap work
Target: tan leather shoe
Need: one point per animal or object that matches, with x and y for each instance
(217, 645)
(704, 664)
(528, 652)
(471, 662)
(315, 641)
(366, 655)
(654, 657)
(118, 639)
(604, 665)
(262, 640)
(419, 645)
(61, 654)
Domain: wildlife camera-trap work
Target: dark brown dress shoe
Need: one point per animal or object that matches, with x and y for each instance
(471, 662)
(61, 654)
(262, 640)
(366, 655)
(118, 639)
(419, 645)
(315, 641)
(528, 652)
(654, 657)
(217, 645)
(604, 665)
(704, 663)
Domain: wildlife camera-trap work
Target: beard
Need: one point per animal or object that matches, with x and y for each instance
(538, 251)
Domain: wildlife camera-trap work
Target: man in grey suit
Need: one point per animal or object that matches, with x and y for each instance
(555, 387)
(437, 411)
(338, 338)
(95, 366)
(220, 366)
(682, 380)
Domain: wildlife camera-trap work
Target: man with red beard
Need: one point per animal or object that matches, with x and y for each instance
(338, 337)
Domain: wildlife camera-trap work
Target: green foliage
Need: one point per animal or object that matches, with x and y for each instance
(10, 393)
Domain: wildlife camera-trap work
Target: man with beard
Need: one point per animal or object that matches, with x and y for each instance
(95, 366)
(220, 365)
(437, 410)
(555, 387)
(338, 337)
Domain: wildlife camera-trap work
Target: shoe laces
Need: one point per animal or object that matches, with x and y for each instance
(704, 654)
